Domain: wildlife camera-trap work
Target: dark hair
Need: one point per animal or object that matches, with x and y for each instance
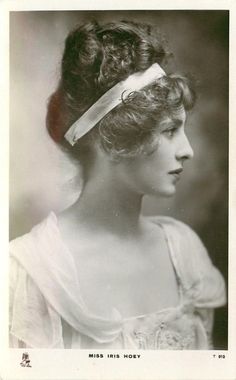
(96, 57)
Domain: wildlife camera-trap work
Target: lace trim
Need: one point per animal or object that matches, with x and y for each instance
(164, 338)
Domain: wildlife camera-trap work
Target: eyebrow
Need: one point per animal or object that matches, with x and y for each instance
(177, 122)
(172, 122)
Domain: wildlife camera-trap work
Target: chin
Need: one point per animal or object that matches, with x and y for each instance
(164, 193)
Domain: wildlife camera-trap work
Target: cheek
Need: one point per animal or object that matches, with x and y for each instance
(157, 162)
(164, 155)
(148, 170)
(148, 173)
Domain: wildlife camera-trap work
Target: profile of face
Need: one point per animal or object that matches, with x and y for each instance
(158, 173)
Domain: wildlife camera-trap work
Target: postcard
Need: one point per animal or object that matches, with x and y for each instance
(118, 185)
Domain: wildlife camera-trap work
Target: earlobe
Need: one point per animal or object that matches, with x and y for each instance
(102, 154)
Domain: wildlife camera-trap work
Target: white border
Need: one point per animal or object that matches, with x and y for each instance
(74, 364)
(21, 5)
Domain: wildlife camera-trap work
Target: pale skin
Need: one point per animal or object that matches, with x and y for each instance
(122, 258)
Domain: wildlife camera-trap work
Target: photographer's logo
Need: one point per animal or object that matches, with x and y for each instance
(25, 362)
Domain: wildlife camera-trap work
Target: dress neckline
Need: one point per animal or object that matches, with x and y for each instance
(173, 259)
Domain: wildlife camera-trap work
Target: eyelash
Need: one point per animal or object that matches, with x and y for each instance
(171, 131)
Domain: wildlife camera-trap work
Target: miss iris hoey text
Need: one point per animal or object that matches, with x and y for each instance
(115, 356)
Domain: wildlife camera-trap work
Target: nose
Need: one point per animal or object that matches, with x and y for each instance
(184, 151)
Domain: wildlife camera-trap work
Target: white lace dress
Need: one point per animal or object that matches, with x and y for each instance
(47, 309)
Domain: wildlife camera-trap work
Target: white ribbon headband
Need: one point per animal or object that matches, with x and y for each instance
(110, 100)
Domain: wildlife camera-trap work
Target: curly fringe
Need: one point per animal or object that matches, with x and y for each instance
(130, 129)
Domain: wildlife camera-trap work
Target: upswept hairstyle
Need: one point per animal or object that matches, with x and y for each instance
(95, 58)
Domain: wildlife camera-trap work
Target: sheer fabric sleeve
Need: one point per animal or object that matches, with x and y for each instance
(32, 321)
(14, 342)
(195, 266)
(210, 285)
(45, 291)
(203, 284)
(200, 271)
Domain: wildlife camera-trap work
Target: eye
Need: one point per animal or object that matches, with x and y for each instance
(170, 132)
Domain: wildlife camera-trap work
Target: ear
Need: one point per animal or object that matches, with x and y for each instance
(103, 154)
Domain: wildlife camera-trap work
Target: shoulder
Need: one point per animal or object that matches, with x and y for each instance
(36, 247)
(23, 248)
(28, 253)
(38, 233)
(31, 316)
(192, 262)
(43, 257)
(179, 232)
(169, 222)
(185, 244)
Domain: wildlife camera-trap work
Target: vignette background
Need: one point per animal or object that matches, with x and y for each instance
(41, 177)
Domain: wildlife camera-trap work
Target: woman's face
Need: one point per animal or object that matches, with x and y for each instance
(158, 173)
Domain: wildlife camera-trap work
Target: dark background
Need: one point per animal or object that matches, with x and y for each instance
(42, 178)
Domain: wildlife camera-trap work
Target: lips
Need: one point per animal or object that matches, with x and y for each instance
(176, 171)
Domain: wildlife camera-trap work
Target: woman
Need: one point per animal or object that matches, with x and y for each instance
(100, 275)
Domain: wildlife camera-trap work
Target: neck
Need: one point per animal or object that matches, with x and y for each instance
(108, 205)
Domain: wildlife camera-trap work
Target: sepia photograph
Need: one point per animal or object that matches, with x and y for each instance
(99, 272)
(118, 185)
